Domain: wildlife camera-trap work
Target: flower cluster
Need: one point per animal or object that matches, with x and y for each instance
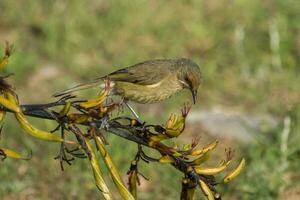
(73, 115)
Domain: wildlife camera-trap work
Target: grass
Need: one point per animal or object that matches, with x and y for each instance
(231, 40)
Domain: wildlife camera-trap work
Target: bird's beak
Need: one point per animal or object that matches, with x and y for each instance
(194, 94)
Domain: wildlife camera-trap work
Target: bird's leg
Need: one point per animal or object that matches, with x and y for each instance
(133, 112)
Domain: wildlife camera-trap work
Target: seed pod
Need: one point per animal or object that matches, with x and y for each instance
(2, 115)
(33, 131)
(206, 149)
(113, 171)
(65, 109)
(98, 175)
(9, 104)
(210, 170)
(13, 154)
(235, 172)
(175, 125)
(202, 159)
(166, 159)
(3, 62)
(78, 118)
(43, 135)
(96, 102)
(206, 190)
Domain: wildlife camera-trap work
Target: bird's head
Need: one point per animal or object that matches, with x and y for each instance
(189, 76)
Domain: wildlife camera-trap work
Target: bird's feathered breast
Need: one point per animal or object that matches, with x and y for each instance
(150, 93)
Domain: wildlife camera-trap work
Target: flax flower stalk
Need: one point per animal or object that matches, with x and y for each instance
(98, 175)
(113, 171)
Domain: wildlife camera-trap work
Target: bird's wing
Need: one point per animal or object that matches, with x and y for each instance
(146, 73)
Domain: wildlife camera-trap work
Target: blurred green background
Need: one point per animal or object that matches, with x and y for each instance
(249, 52)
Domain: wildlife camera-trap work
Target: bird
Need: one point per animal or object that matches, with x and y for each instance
(150, 81)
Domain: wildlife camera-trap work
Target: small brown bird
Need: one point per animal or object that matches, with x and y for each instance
(150, 81)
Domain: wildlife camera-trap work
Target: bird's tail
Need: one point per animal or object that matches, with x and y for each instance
(79, 87)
